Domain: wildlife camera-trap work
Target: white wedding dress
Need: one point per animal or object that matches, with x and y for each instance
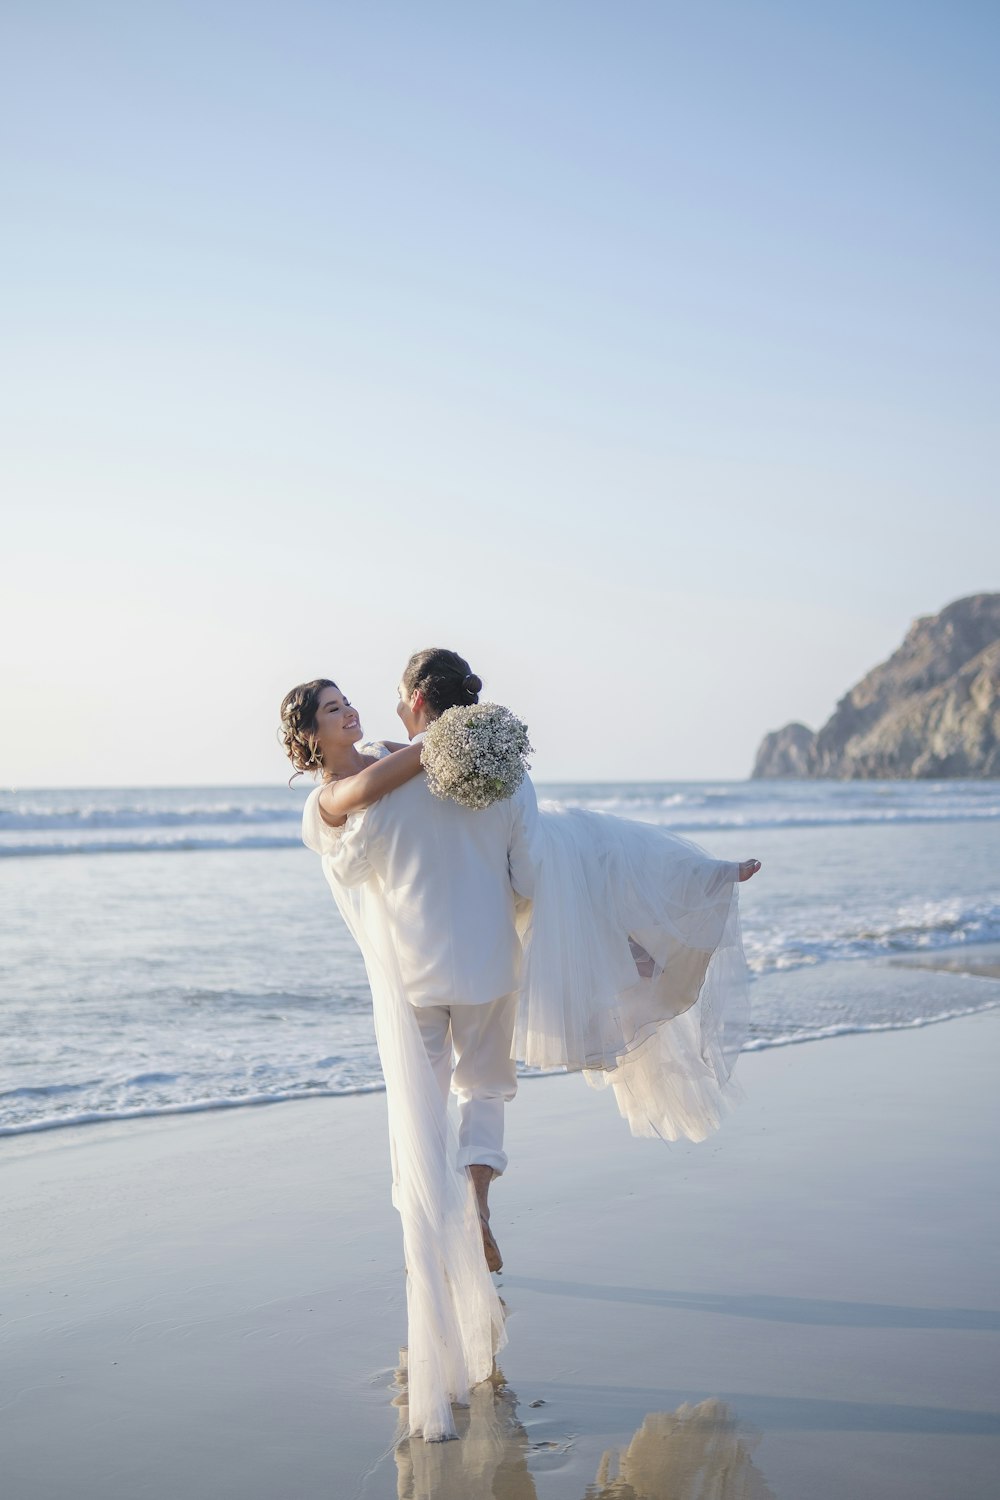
(634, 970)
(633, 973)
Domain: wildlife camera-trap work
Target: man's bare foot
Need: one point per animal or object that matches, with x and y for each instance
(482, 1176)
(494, 1260)
(748, 868)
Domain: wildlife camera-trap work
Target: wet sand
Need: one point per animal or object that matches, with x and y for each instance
(982, 961)
(806, 1306)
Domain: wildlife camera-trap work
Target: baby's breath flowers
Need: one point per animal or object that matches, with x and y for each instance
(476, 755)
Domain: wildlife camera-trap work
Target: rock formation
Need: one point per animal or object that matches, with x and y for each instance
(932, 710)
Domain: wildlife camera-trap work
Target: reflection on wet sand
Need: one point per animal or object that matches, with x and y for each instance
(694, 1453)
(489, 1459)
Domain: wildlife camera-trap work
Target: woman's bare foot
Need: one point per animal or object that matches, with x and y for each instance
(748, 868)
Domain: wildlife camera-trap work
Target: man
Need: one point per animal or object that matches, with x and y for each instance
(450, 879)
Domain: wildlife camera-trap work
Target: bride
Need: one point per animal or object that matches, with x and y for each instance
(632, 972)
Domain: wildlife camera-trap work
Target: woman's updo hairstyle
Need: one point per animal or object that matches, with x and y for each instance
(445, 679)
(298, 725)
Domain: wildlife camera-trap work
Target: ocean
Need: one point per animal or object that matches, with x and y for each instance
(178, 949)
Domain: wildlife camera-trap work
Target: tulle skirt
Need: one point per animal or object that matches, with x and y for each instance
(634, 970)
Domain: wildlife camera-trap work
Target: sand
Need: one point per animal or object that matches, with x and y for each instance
(806, 1306)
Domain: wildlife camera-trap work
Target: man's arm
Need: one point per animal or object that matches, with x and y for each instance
(523, 842)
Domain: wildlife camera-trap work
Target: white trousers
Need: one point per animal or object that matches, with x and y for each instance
(469, 1047)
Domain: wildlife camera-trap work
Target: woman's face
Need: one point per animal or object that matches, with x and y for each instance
(337, 724)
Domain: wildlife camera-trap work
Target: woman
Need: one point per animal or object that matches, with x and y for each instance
(633, 972)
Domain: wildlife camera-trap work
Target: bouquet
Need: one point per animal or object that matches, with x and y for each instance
(476, 755)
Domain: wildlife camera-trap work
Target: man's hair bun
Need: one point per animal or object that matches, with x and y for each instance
(445, 679)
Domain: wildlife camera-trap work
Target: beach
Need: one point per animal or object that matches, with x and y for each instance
(806, 1305)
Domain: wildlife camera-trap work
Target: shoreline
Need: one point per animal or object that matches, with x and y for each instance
(969, 961)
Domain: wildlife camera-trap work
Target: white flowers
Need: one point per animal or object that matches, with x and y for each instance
(476, 755)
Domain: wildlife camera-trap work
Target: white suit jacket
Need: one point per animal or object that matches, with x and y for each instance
(450, 876)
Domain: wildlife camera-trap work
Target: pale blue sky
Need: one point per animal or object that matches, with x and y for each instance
(646, 353)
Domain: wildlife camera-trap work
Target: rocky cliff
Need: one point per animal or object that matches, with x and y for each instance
(932, 710)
